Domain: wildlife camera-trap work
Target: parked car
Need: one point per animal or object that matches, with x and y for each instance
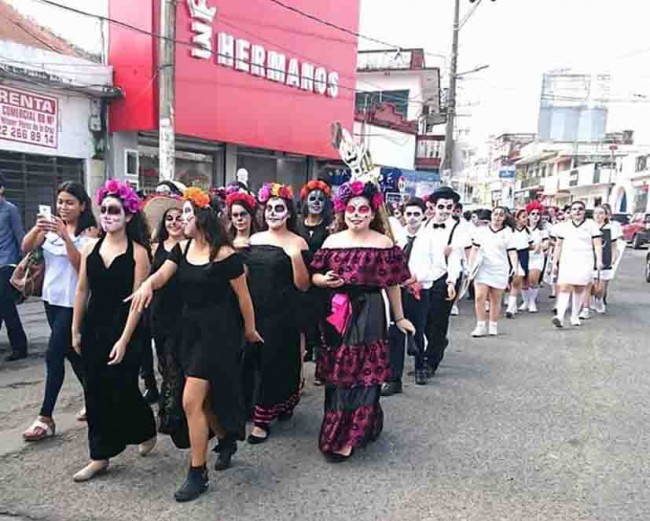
(637, 231)
(647, 267)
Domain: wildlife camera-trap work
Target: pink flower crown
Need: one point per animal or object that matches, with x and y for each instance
(270, 190)
(353, 189)
(130, 201)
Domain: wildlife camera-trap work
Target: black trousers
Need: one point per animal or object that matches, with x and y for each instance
(9, 314)
(437, 325)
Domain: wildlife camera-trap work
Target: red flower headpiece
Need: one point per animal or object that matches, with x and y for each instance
(534, 205)
(241, 197)
(315, 184)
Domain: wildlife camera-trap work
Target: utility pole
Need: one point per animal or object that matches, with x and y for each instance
(451, 96)
(166, 91)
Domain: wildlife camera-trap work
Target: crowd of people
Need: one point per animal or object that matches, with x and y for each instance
(237, 289)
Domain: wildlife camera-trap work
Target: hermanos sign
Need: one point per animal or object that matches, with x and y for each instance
(239, 54)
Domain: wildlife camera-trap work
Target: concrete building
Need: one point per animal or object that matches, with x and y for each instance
(53, 112)
(630, 191)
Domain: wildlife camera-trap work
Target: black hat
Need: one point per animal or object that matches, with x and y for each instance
(444, 192)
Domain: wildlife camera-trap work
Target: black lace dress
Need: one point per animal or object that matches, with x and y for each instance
(277, 361)
(117, 413)
(212, 334)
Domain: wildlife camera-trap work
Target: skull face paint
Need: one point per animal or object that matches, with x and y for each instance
(276, 213)
(189, 220)
(240, 218)
(112, 217)
(358, 214)
(414, 217)
(315, 202)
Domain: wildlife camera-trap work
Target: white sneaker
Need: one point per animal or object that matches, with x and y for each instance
(492, 329)
(524, 307)
(511, 312)
(600, 307)
(454, 310)
(576, 321)
(585, 314)
(532, 307)
(480, 330)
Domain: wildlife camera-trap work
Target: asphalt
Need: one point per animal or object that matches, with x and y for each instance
(537, 424)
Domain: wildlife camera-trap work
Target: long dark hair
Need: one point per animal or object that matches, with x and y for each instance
(210, 225)
(86, 218)
(292, 220)
(232, 231)
(161, 232)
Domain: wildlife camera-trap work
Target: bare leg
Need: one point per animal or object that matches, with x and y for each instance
(480, 296)
(495, 296)
(194, 398)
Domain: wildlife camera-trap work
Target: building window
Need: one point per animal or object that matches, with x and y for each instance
(641, 163)
(370, 100)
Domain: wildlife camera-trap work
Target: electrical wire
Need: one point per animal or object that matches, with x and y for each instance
(183, 42)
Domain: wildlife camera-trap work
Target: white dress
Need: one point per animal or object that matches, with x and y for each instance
(494, 268)
(577, 255)
(537, 260)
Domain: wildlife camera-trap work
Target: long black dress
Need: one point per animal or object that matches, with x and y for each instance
(275, 298)
(117, 413)
(212, 334)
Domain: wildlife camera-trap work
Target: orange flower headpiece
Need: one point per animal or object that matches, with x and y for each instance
(197, 196)
(270, 190)
(315, 184)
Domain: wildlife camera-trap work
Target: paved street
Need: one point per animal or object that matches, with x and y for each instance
(539, 424)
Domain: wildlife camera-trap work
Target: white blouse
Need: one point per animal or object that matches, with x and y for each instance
(60, 281)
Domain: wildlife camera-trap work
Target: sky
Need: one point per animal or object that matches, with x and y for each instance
(518, 39)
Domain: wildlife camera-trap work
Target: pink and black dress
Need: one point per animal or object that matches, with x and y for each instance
(354, 360)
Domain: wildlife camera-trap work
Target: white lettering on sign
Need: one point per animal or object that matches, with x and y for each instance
(255, 59)
(28, 118)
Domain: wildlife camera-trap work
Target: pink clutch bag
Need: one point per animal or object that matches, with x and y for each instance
(341, 312)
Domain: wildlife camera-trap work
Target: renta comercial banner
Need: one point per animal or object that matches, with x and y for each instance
(28, 117)
(249, 72)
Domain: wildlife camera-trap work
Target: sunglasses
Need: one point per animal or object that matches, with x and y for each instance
(110, 210)
(363, 209)
(533, 213)
(445, 206)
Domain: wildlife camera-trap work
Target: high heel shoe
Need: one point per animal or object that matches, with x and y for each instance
(93, 469)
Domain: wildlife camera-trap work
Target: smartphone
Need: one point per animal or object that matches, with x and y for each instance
(45, 211)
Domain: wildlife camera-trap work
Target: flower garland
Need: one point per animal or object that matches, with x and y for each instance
(270, 190)
(131, 203)
(241, 197)
(315, 184)
(353, 189)
(197, 197)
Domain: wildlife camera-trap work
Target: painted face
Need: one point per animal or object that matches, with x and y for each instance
(578, 212)
(68, 207)
(111, 215)
(276, 213)
(358, 214)
(534, 217)
(498, 217)
(315, 202)
(600, 214)
(240, 218)
(443, 208)
(174, 223)
(414, 216)
(431, 210)
(189, 219)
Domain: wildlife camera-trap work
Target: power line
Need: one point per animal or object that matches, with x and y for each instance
(345, 29)
(191, 44)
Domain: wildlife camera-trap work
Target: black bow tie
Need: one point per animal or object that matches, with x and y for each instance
(436, 226)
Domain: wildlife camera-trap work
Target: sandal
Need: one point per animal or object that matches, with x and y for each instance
(39, 430)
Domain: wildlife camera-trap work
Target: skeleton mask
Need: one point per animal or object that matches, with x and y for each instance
(316, 202)
(189, 219)
(276, 213)
(414, 216)
(112, 216)
(358, 214)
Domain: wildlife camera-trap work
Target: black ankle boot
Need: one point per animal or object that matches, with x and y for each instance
(227, 449)
(195, 484)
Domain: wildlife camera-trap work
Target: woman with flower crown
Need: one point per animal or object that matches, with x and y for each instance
(277, 272)
(110, 270)
(356, 264)
(242, 222)
(217, 315)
